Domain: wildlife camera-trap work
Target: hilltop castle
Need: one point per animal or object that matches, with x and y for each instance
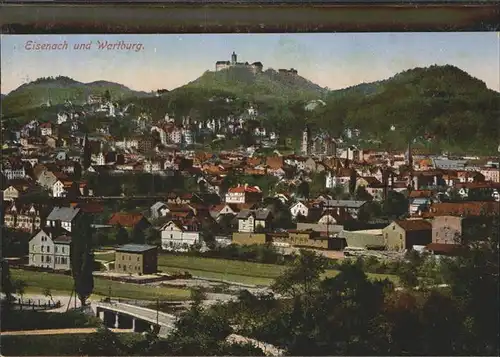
(255, 67)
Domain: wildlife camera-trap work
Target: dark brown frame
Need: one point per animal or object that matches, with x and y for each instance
(257, 18)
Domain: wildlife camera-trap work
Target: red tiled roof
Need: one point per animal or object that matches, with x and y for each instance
(125, 219)
(243, 189)
(414, 225)
(464, 208)
(421, 193)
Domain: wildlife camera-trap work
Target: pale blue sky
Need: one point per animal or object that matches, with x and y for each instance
(330, 60)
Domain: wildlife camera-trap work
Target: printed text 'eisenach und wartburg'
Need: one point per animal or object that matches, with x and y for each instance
(99, 45)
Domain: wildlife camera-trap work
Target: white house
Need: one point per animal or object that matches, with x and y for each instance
(65, 217)
(62, 118)
(10, 193)
(249, 220)
(244, 194)
(175, 135)
(58, 189)
(45, 252)
(299, 209)
(14, 172)
(179, 238)
(45, 129)
(341, 179)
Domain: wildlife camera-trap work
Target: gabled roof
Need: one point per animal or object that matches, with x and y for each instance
(125, 219)
(65, 214)
(414, 225)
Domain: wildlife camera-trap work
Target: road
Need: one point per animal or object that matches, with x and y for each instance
(57, 331)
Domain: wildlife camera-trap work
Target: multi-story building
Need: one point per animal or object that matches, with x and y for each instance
(244, 194)
(180, 236)
(63, 217)
(48, 252)
(136, 259)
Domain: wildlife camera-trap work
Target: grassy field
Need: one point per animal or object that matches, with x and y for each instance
(38, 281)
(230, 270)
(53, 345)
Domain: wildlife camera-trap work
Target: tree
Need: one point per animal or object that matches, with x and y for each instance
(121, 235)
(302, 277)
(395, 205)
(8, 287)
(102, 343)
(138, 236)
(82, 258)
(152, 236)
(48, 293)
(362, 195)
(20, 287)
(303, 189)
(107, 95)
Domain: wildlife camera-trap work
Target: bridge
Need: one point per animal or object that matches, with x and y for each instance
(120, 315)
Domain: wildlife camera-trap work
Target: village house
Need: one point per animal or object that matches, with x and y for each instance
(299, 209)
(13, 169)
(22, 218)
(460, 229)
(159, 209)
(136, 259)
(350, 207)
(304, 239)
(63, 217)
(181, 236)
(402, 235)
(244, 194)
(491, 174)
(45, 129)
(132, 221)
(48, 252)
(16, 188)
(251, 221)
(340, 178)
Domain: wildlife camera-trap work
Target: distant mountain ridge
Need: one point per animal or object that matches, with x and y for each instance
(443, 104)
(60, 89)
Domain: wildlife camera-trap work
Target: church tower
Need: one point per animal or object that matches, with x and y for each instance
(234, 58)
(306, 138)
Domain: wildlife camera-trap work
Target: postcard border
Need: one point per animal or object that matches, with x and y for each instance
(244, 18)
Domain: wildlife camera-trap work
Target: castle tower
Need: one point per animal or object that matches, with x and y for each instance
(306, 137)
(233, 58)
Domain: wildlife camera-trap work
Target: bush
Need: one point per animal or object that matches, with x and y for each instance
(13, 320)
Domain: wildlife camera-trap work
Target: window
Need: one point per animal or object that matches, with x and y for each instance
(55, 248)
(129, 257)
(42, 248)
(400, 236)
(48, 249)
(138, 259)
(119, 266)
(63, 250)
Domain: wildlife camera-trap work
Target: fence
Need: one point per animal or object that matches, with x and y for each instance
(36, 305)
